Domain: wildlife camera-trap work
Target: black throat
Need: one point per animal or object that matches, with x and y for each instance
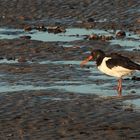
(99, 60)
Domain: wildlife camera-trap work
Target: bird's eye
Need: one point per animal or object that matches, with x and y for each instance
(94, 53)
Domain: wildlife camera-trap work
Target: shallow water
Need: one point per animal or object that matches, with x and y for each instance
(103, 90)
(71, 34)
(126, 43)
(5, 61)
(63, 62)
(133, 103)
(130, 42)
(13, 88)
(54, 98)
(94, 83)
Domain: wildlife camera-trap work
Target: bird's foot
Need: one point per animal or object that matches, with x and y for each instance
(119, 94)
(119, 90)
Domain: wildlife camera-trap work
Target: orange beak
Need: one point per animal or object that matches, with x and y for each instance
(86, 60)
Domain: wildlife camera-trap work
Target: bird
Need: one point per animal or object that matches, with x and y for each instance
(113, 64)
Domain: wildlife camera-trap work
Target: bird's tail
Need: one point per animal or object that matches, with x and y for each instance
(138, 67)
(133, 66)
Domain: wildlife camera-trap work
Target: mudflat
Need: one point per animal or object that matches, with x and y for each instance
(44, 93)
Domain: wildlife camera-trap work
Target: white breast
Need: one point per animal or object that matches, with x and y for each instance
(117, 71)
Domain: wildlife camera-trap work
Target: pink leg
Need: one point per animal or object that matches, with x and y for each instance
(120, 87)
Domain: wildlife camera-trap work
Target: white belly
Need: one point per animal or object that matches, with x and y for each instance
(117, 71)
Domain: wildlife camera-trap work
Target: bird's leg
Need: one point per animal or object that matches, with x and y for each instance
(120, 87)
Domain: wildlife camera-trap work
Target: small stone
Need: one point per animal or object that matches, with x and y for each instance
(25, 37)
(136, 78)
(22, 59)
(21, 17)
(128, 109)
(120, 34)
(138, 20)
(56, 29)
(10, 58)
(90, 20)
(133, 91)
(109, 37)
(138, 31)
(9, 135)
(27, 28)
(93, 37)
(41, 28)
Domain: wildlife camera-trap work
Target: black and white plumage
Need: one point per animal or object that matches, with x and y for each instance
(113, 65)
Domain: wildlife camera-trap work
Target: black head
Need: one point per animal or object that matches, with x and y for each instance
(97, 54)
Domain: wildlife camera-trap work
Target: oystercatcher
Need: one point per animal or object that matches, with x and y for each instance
(113, 65)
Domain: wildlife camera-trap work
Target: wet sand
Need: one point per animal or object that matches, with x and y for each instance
(114, 14)
(56, 115)
(38, 112)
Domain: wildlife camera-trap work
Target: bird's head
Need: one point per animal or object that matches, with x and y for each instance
(95, 54)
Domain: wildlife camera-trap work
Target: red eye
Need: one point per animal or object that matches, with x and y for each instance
(94, 53)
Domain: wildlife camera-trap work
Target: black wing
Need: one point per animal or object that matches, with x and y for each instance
(119, 60)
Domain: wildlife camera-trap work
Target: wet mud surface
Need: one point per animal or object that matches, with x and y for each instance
(44, 93)
(56, 115)
(112, 14)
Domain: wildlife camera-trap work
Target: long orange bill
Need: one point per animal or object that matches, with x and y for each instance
(86, 60)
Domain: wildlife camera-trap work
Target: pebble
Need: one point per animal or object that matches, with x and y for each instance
(25, 37)
(22, 59)
(120, 34)
(41, 28)
(27, 28)
(56, 29)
